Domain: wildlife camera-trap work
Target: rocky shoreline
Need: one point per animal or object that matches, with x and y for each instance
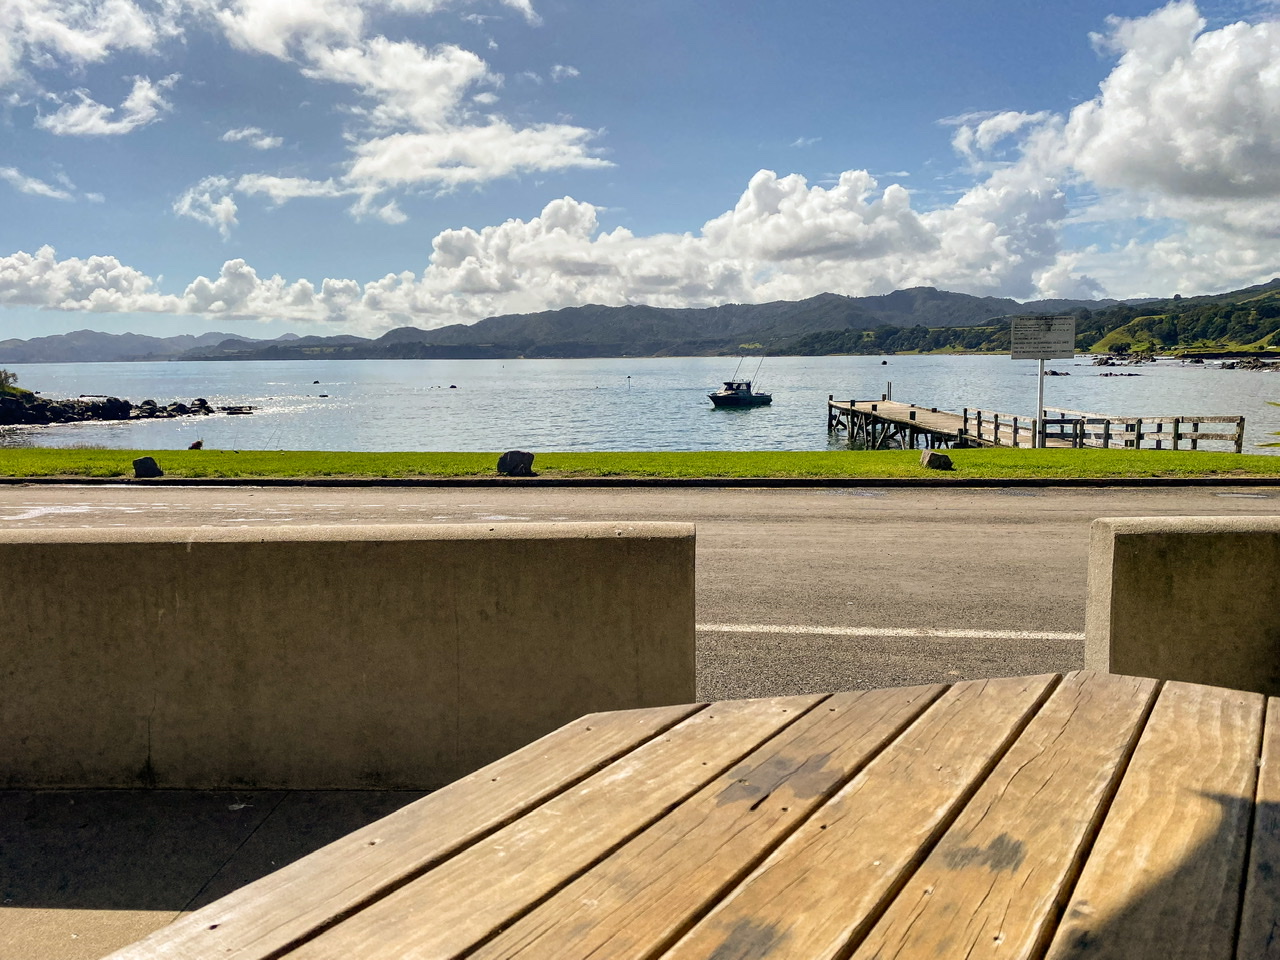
(32, 410)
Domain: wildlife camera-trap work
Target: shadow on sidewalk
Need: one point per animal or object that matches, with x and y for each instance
(83, 872)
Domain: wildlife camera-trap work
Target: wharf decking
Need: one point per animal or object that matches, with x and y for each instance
(884, 423)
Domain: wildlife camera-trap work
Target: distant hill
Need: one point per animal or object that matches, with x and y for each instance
(637, 330)
(826, 323)
(88, 346)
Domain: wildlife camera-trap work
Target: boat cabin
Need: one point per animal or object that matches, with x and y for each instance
(737, 393)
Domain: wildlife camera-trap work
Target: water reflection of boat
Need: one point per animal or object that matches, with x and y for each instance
(738, 393)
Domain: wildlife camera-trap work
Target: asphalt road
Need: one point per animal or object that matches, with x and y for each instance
(798, 590)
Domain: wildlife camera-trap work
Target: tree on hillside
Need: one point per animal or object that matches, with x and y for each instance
(8, 380)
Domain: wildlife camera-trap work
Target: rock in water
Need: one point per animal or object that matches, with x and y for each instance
(145, 468)
(12, 410)
(516, 463)
(933, 460)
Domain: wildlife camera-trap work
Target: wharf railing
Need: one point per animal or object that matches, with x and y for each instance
(998, 429)
(1079, 428)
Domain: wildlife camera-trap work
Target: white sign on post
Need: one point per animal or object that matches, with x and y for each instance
(1043, 338)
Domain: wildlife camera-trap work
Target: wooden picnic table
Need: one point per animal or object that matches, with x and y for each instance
(1050, 816)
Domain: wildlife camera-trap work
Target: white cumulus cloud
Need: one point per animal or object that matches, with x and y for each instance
(24, 184)
(209, 202)
(1186, 112)
(88, 118)
(407, 84)
(282, 189)
(976, 138)
(280, 27)
(1184, 133)
(275, 27)
(471, 154)
(256, 137)
(81, 32)
(100, 284)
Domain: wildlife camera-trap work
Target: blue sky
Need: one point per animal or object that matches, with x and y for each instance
(262, 166)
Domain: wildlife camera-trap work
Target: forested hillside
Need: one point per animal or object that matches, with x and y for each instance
(1246, 319)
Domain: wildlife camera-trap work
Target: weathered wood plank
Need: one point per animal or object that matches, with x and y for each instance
(1260, 920)
(467, 899)
(1209, 436)
(259, 919)
(1164, 877)
(832, 877)
(645, 895)
(993, 885)
(1169, 419)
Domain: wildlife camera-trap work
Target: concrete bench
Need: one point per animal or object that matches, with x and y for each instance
(327, 657)
(1186, 598)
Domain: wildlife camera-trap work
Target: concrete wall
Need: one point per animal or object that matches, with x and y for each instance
(1186, 598)
(338, 657)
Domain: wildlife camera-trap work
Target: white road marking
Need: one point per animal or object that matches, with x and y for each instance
(35, 512)
(889, 633)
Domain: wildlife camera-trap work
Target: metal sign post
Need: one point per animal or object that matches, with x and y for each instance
(1042, 338)
(1039, 435)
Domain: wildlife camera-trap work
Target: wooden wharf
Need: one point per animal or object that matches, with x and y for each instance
(890, 424)
(1173, 433)
(1048, 817)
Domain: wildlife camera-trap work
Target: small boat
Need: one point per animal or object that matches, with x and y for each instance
(738, 393)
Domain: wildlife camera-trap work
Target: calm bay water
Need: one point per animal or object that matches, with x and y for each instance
(615, 404)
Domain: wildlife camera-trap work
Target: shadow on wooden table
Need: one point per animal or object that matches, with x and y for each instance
(1189, 902)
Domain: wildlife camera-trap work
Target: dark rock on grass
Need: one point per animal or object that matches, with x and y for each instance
(146, 468)
(516, 463)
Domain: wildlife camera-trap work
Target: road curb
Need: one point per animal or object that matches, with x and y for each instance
(785, 483)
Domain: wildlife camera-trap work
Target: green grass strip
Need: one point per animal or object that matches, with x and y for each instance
(982, 464)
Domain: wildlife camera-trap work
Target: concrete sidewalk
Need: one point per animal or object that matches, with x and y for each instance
(85, 872)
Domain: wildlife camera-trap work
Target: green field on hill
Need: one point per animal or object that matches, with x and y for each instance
(978, 464)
